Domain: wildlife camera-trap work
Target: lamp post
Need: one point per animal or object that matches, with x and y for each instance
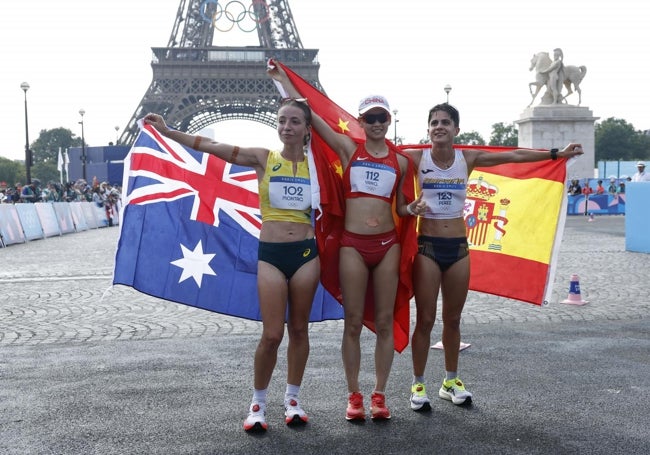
(83, 145)
(447, 90)
(28, 153)
(117, 128)
(395, 120)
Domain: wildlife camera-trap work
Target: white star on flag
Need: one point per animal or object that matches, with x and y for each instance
(194, 263)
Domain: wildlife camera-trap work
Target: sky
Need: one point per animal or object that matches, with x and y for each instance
(96, 55)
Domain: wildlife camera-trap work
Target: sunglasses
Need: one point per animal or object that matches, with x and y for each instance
(372, 118)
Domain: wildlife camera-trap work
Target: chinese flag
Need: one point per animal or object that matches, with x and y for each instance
(329, 226)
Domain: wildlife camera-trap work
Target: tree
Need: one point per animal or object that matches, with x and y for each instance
(504, 135)
(45, 172)
(615, 139)
(470, 138)
(45, 154)
(46, 147)
(11, 171)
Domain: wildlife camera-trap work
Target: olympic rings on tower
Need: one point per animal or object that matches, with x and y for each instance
(235, 12)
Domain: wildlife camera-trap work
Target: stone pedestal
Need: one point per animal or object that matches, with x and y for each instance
(554, 126)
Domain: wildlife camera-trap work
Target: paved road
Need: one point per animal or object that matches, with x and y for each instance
(86, 368)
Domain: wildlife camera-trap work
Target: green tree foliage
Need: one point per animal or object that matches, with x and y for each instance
(615, 139)
(504, 135)
(45, 153)
(45, 172)
(11, 172)
(470, 138)
(45, 149)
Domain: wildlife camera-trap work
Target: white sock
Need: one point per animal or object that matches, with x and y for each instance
(259, 396)
(292, 391)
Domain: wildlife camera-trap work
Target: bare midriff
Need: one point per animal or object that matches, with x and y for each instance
(368, 216)
(454, 227)
(285, 231)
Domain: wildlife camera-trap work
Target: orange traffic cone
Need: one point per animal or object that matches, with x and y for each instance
(574, 297)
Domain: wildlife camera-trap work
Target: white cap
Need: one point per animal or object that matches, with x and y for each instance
(640, 163)
(371, 101)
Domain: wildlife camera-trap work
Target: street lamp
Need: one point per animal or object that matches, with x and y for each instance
(28, 153)
(117, 128)
(447, 90)
(395, 120)
(83, 145)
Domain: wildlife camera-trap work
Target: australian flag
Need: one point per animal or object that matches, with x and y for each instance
(190, 228)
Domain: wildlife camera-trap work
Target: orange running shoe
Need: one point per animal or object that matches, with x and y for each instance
(378, 409)
(355, 409)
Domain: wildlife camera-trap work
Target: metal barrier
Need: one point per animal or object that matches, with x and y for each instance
(20, 223)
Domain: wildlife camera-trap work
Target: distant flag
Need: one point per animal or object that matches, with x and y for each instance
(190, 230)
(330, 225)
(66, 163)
(59, 165)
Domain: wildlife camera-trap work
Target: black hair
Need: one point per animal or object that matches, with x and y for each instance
(449, 109)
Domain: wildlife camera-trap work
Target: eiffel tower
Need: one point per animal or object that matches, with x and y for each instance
(196, 84)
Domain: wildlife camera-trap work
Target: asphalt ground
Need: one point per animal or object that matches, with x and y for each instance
(86, 368)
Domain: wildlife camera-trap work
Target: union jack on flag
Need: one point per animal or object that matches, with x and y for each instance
(190, 230)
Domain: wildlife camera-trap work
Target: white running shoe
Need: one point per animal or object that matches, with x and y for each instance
(454, 391)
(256, 420)
(419, 399)
(293, 413)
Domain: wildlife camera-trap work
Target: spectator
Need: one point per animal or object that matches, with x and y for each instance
(109, 201)
(51, 193)
(600, 189)
(587, 191)
(641, 175)
(612, 186)
(574, 188)
(13, 194)
(31, 192)
(69, 193)
(97, 197)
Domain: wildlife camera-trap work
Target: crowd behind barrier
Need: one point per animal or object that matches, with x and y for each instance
(597, 196)
(30, 213)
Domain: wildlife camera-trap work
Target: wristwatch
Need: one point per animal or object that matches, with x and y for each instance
(554, 154)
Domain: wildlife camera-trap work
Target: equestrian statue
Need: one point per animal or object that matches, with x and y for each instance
(555, 75)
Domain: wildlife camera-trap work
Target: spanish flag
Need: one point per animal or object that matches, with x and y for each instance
(514, 214)
(329, 223)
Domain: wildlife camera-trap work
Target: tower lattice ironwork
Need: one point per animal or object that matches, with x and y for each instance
(196, 84)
